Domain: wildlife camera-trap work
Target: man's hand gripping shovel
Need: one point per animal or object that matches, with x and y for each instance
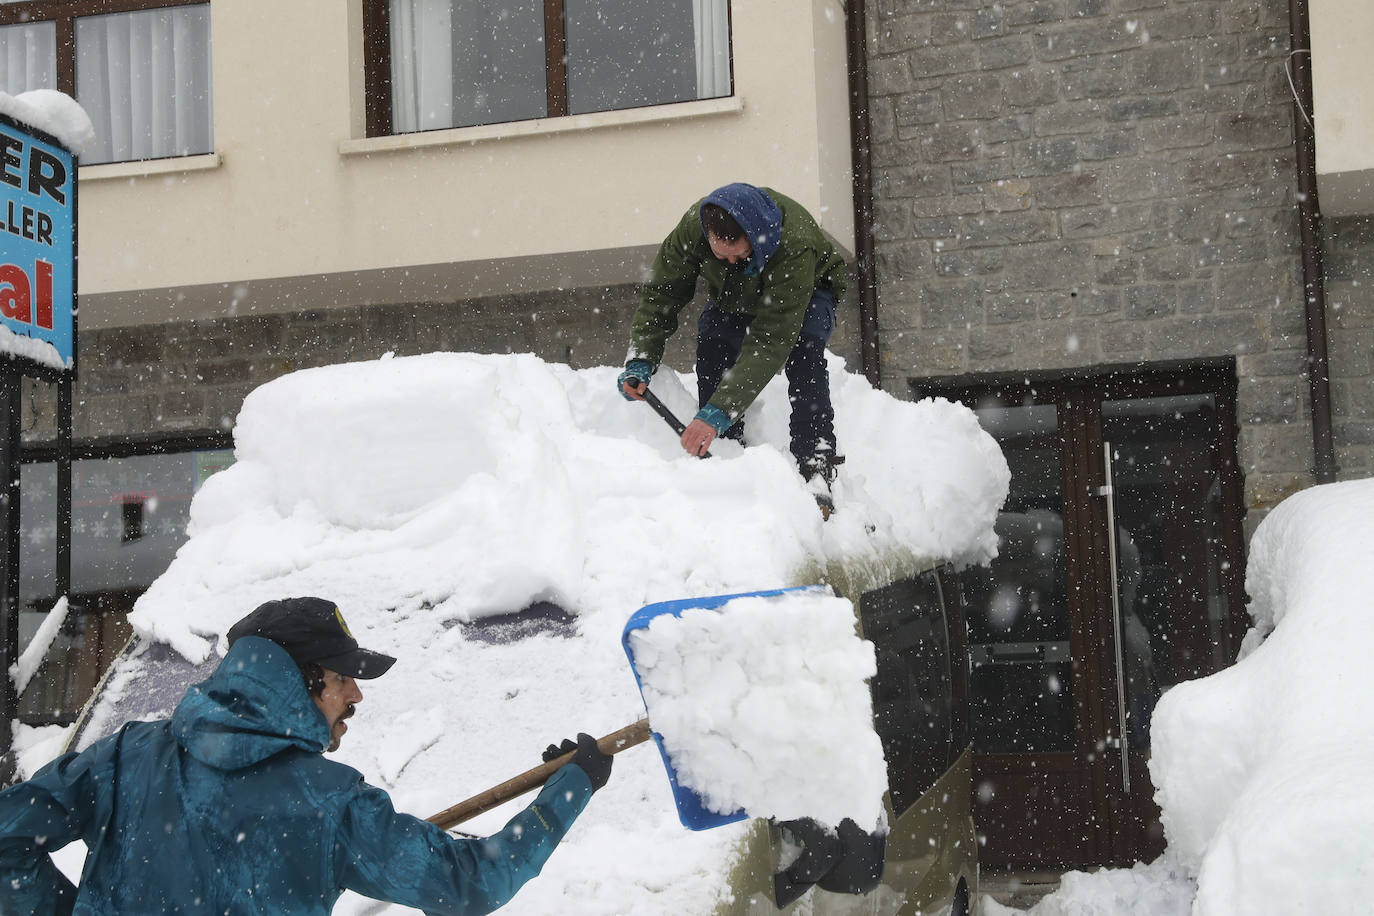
(641, 392)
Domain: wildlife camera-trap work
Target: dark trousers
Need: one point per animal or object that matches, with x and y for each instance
(720, 337)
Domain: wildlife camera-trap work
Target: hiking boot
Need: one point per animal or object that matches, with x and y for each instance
(819, 472)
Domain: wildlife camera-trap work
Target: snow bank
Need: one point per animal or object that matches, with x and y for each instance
(430, 495)
(1263, 770)
(763, 706)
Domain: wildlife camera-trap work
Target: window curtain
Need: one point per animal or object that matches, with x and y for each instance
(461, 62)
(28, 57)
(711, 18)
(421, 65)
(144, 79)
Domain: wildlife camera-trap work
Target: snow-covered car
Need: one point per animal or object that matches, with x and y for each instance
(493, 521)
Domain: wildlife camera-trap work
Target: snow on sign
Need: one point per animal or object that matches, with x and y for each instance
(37, 250)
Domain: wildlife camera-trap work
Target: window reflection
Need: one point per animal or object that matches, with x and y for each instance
(129, 518)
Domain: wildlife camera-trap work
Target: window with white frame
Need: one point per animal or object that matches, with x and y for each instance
(435, 64)
(139, 68)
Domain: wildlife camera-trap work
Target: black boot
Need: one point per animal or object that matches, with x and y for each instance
(819, 471)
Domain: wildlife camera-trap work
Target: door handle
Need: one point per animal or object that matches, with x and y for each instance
(1108, 492)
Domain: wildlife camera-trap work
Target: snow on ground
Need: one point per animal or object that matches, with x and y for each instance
(741, 692)
(1264, 772)
(429, 495)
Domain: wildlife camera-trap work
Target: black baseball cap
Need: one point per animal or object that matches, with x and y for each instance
(312, 630)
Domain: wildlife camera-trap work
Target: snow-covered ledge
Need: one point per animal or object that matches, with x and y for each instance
(678, 111)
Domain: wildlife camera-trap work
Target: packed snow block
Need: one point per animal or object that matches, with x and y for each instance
(760, 706)
(1262, 771)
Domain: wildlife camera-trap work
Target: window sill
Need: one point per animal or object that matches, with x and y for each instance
(150, 167)
(677, 111)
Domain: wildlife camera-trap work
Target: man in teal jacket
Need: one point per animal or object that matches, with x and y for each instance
(772, 282)
(230, 807)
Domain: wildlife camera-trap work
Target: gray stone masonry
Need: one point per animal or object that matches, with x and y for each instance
(193, 376)
(1067, 183)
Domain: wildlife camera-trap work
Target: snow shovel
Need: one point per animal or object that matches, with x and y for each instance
(669, 417)
(691, 809)
(497, 795)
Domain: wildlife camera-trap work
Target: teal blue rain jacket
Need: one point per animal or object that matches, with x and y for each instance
(230, 807)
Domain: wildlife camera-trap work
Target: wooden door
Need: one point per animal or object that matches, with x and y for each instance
(1119, 575)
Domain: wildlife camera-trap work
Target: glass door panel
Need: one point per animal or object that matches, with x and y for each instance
(1170, 546)
(1017, 608)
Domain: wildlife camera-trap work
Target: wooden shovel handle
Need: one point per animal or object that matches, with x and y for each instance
(498, 795)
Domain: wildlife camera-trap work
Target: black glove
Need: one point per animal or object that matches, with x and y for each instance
(587, 755)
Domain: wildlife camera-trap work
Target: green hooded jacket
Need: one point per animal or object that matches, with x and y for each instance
(791, 258)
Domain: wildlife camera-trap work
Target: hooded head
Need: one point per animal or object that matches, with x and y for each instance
(756, 213)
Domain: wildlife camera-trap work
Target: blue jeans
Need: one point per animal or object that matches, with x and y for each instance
(720, 337)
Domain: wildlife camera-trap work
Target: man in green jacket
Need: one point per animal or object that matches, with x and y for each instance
(772, 282)
(230, 807)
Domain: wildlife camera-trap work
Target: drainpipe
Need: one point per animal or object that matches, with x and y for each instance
(861, 143)
(1309, 220)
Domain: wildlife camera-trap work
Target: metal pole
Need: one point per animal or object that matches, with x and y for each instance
(10, 404)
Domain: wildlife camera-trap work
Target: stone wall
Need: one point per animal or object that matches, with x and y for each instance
(1070, 183)
(1349, 259)
(193, 376)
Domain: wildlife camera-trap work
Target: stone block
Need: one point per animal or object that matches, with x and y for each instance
(891, 76)
(1197, 298)
(1149, 301)
(1138, 109)
(1075, 40)
(1121, 340)
(932, 61)
(913, 181)
(1249, 131)
(892, 219)
(1077, 189)
(974, 262)
(1100, 77)
(1030, 88)
(1077, 117)
(950, 305)
(1010, 308)
(917, 108)
(900, 33)
(1267, 400)
(1111, 145)
(1260, 365)
(1167, 264)
(1046, 266)
(977, 95)
(1164, 68)
(1181, 132)
(1034, 13)
(1205, 335)
(1095, 302)
(1104, 220)
(984, 344)
(1009, 195)
(1046, 157)
(896, 263)
(1001, 53)
(979, 173)
(948, 142)
(1008, 229)
(1117, 271)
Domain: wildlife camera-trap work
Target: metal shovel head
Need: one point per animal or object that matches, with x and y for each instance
(691, 809)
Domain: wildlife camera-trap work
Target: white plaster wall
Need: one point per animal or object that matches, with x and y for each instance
(296, 208)
(1342, 52)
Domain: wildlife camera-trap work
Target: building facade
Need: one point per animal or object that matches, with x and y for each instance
(1086, 222)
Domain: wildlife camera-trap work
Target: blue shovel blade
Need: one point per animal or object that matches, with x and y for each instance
(691, 810)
